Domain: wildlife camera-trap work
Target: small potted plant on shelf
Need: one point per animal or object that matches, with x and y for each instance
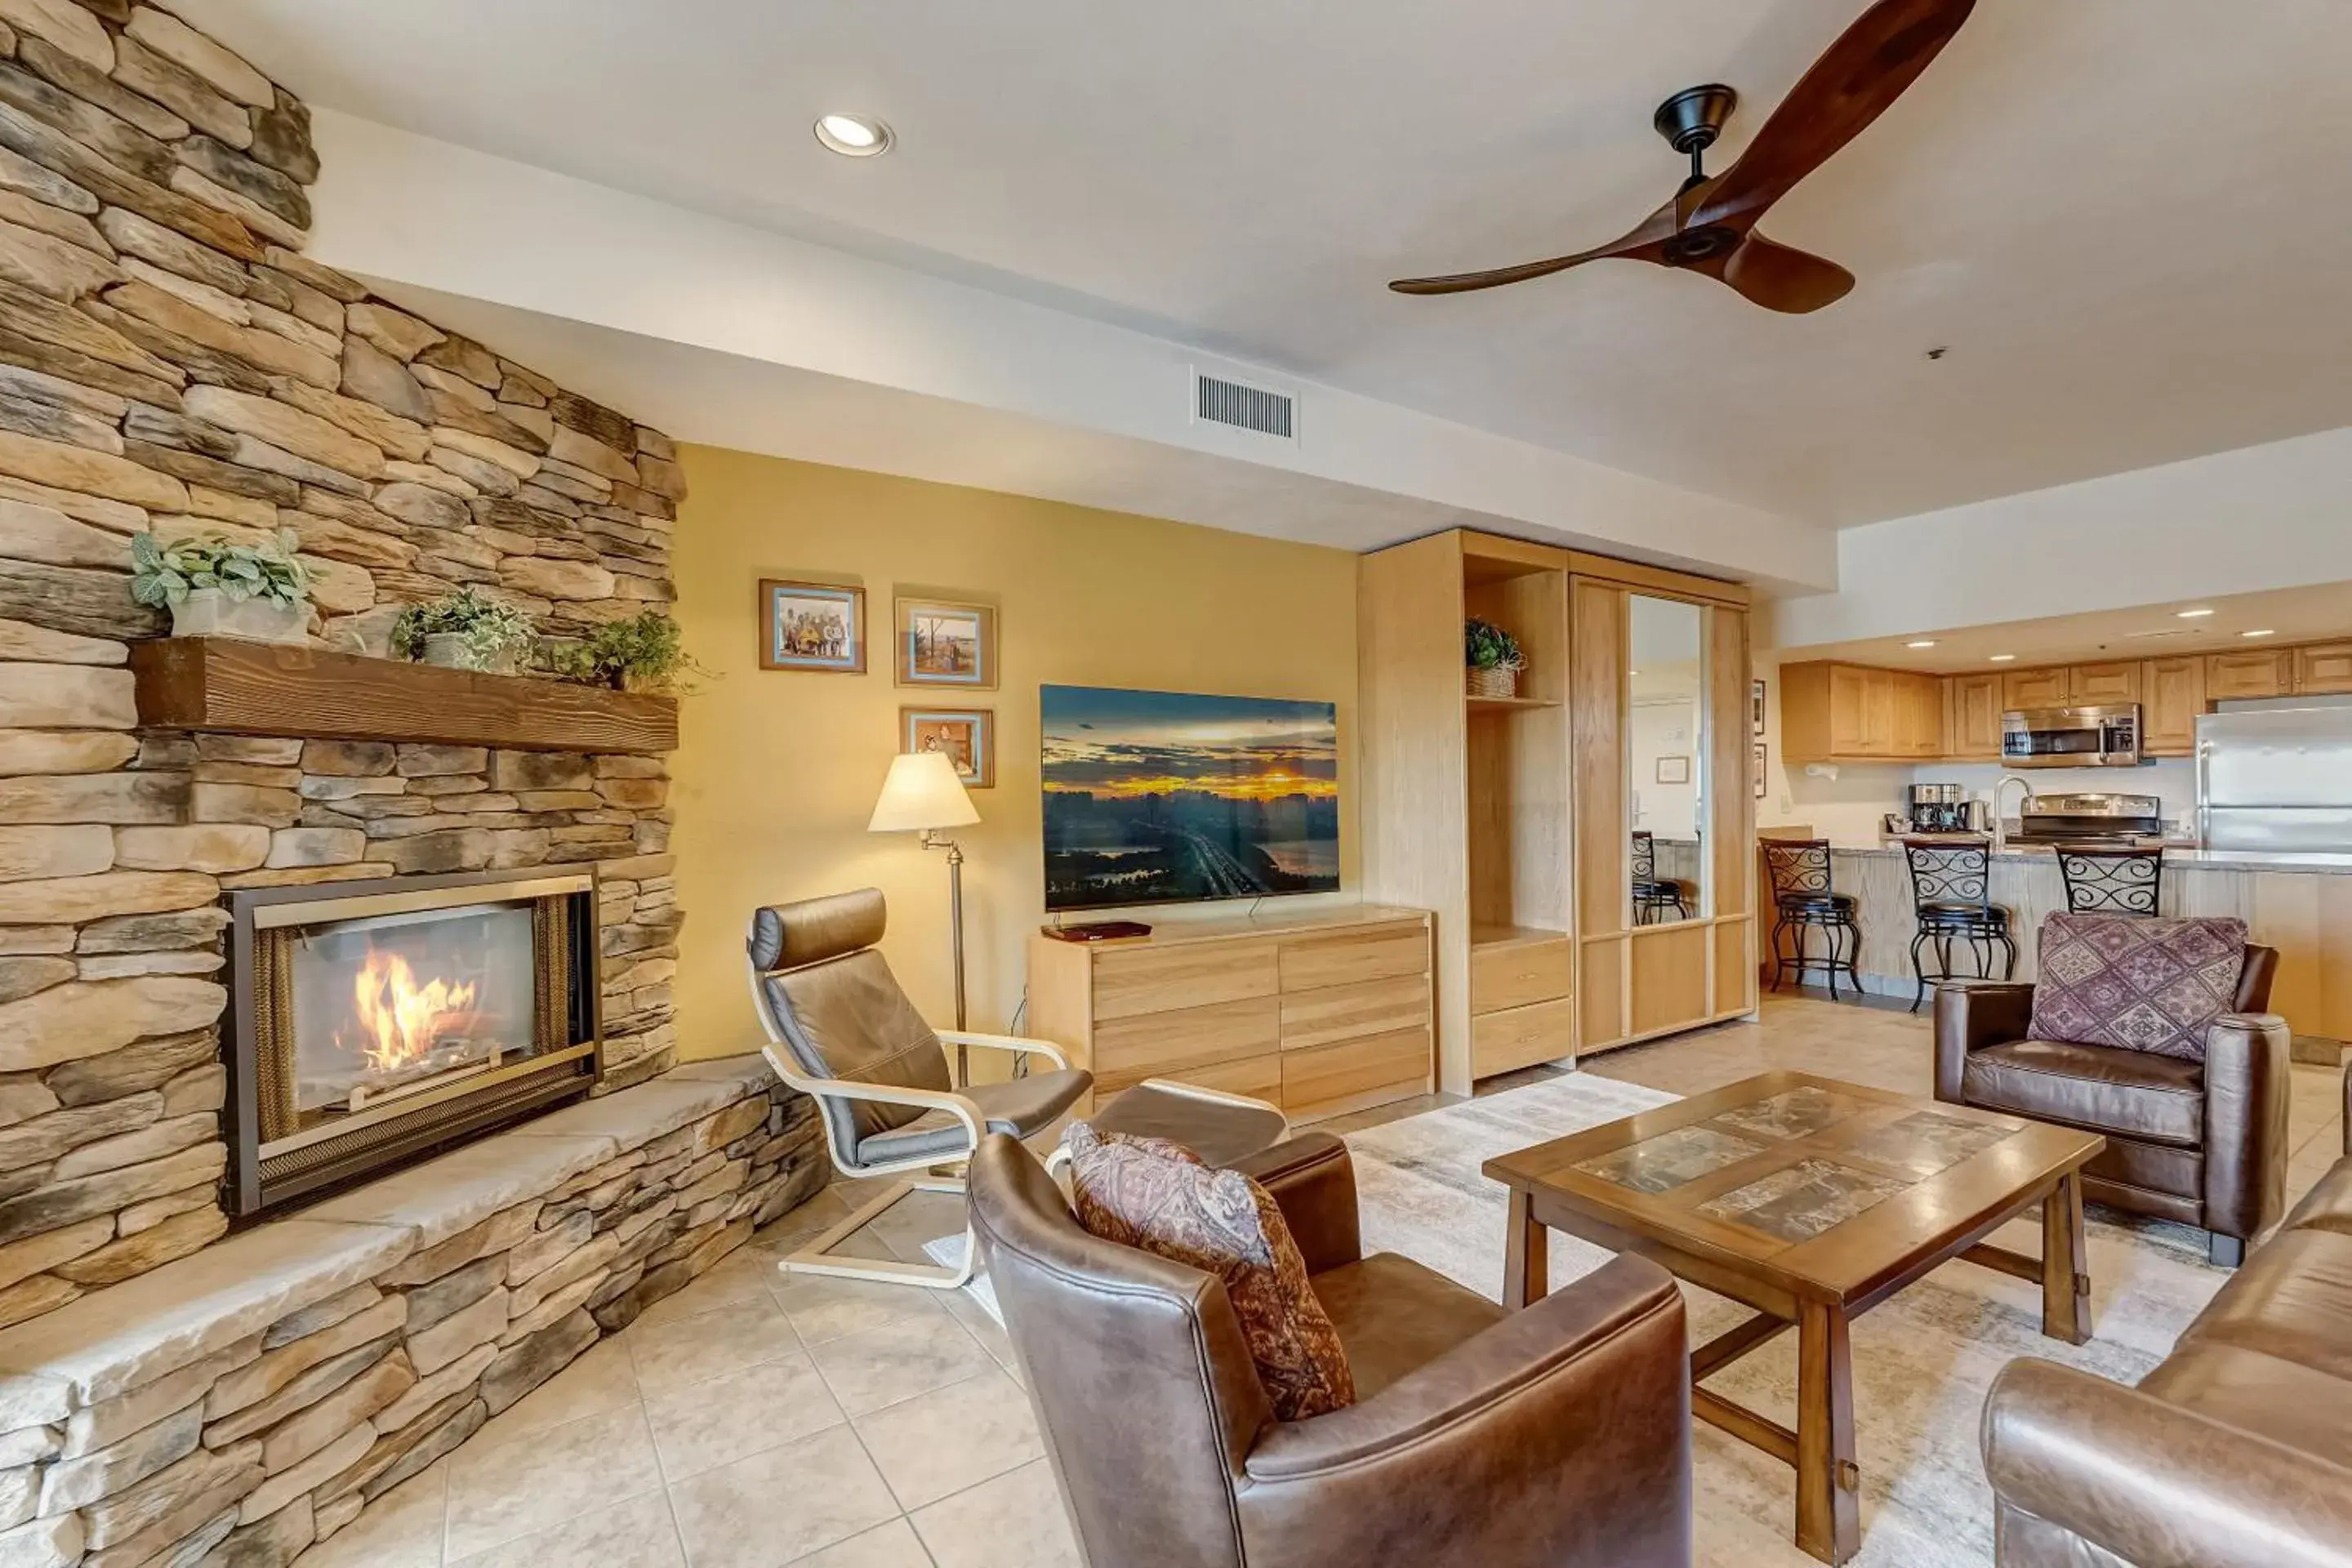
(215, 587)
(465, 630)
(1494, 658)
(643, 652)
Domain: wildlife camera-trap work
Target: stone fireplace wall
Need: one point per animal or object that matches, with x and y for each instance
(170, 360)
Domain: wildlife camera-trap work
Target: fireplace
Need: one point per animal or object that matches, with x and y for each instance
(379, 1022)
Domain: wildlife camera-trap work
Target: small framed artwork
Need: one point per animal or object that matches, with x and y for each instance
(1673, 770)
(1757, 768)
(941, 643)
(968, 735)
(812, 625)
(1756, 707)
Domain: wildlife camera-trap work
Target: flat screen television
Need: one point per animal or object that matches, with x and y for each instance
(1155, 798)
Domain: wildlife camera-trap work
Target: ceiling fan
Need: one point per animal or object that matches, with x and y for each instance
(1709, 227)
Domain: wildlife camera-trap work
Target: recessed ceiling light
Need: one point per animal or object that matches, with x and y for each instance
(1923, 642)
(2265, 632)
(854, 136)
(2003, 657)
(2192, 615)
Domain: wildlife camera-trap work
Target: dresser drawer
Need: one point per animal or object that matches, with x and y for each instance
(1521, 1036)
(1260, 1078)
(1330, 1079)
(1188, 1037)
(1345, 1012)
(1512, 974)
(1153, 979)
(1384, 953)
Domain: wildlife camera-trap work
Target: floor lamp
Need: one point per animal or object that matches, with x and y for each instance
(923, 795)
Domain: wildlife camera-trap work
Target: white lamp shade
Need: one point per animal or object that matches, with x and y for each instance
(921, 792)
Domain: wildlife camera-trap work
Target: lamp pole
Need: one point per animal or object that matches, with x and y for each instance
(933, 839)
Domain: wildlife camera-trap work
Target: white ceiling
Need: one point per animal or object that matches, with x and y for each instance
(2126, 219)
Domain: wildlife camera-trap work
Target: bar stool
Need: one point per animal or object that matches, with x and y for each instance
(1652, 897)
(1803, 900)
(2103, 880)
(1952, 895)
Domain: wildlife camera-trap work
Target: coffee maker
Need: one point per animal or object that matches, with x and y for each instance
(1942, 809)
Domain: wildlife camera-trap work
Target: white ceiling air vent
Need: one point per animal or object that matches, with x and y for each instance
(1220, 400)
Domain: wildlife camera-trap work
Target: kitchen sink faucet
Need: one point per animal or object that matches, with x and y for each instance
(1999, 832)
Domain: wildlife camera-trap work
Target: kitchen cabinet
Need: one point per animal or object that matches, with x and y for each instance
(2323, 669)
(2172, 693)
(1973, 709)
(2094, 685)
(1850, 712)
(2034, 687)
(2262, 672)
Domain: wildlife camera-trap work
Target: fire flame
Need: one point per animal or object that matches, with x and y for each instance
(405, 1018)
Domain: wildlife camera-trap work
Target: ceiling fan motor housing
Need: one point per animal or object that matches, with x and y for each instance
(1693, 117)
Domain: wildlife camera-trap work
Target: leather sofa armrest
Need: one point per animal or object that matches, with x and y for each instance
(1560, 1434)
(2248, 1072)
(1313, 1182)
(1970, 1015)
(2347, 1110)
(2155, 1484)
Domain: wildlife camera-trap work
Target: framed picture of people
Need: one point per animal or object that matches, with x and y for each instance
(812, 625)
(968, 735)
(945, 643)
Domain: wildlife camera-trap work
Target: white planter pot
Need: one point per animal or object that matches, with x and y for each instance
(209, 612)
(447, 649)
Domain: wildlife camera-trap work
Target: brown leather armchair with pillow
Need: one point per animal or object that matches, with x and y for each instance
(2201, 1142)
(1556, 1437)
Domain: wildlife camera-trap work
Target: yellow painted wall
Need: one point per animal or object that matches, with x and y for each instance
(778, 772)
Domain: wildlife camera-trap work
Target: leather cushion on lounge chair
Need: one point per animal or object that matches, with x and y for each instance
(2138, 1093)
(1023, 1107)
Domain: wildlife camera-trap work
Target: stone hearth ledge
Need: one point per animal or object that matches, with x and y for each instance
(132, 1333)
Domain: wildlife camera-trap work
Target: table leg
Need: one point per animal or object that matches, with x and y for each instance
(1829, 1482)
(2065, 1265)
(1526, 1260)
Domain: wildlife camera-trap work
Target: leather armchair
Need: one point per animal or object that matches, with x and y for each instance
(1555, 1436)
(2202, 1142)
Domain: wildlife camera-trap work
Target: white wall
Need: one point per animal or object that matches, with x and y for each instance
(1663, 729)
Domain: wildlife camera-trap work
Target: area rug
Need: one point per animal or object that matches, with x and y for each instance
(1923, 1361)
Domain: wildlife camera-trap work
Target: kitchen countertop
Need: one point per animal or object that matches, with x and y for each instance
(2175, 856)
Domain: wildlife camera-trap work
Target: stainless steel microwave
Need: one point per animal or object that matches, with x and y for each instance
(2072, 737)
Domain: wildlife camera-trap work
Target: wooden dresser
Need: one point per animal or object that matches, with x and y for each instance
(1322, 1012)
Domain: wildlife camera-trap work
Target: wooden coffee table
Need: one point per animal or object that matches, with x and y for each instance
(1811, 1201)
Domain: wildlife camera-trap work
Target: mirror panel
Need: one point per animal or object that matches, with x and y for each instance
(1666, 761)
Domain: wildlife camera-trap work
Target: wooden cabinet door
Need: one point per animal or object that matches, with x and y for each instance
(1925, 711)
(2172, 695)
(2034, 688)
(1878, 707)
(1976, 716)
(2323, 669)
(1848, 715)
(2092, 685)
(2267, 672)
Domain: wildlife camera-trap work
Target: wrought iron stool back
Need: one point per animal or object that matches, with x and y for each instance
(1800, 867)
(1652, 897)
(2103, 880)
(1951, 896)
(1804, 898)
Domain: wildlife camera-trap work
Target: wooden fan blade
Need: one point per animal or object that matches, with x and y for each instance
(1780, 278)
(1641, 244)
(1851, 85)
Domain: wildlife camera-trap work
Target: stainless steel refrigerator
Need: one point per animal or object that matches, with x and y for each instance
(2276, 775)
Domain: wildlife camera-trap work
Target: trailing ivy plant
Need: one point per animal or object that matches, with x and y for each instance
(162, 575)
(1486, 646)
(643, 652)
(493, 629)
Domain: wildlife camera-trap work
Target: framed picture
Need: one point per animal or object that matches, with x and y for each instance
(1673, 770)
(942, 642)
(1757, 768)
(812, 625)
(1756, 707)
(968, 735)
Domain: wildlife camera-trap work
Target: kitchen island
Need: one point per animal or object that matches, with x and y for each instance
(2299, 903)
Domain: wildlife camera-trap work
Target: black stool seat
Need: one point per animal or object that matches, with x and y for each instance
(1814, 901)
(1984, 916)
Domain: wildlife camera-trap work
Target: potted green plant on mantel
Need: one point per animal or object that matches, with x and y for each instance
(1494, 658)
(645, 652)
(217, 587)
(465, 630)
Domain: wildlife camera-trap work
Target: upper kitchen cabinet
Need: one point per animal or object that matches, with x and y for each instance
(2323, 669)
(1832, 712)
(2255, 672)
(2034, 687)
(1972, 708)
(2092, 685)
(2172, 694)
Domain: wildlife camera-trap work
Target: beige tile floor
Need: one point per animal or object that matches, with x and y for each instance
(756, 1421)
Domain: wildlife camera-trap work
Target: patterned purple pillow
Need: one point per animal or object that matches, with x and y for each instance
(1157, 1196)
(2139, 984)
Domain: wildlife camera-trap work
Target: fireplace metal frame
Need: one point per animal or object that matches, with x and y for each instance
(505, 1095)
